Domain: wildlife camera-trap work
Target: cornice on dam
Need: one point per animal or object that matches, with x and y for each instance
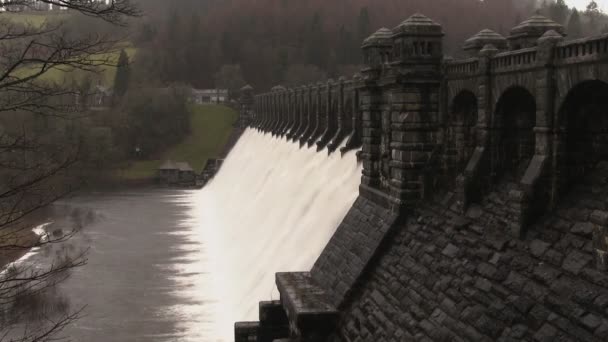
(481, 214)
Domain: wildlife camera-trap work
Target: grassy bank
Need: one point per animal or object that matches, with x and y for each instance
(103, 75)
(211, 128)
(36, 19)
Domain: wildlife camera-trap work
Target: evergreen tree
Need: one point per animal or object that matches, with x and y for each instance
(558, 11)
(363, 24)
(316, 52)
(195, 53)
(593, 13)
(575, 29)
(348, 49)
(123, 74)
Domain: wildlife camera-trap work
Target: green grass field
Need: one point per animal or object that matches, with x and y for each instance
(211, 128)
(103, 75)
(35, 18)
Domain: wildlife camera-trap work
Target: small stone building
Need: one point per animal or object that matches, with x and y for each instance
(201, 96)
(187, 176)
(176, 173)
(168, 173)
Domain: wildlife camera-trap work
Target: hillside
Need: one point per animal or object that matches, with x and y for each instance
(211, 129)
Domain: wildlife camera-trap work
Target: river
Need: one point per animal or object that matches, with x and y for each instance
(184, 265)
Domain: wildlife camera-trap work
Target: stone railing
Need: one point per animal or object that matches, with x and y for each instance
(463, 67)
(514, 60)
(322, 114)
(581, 49)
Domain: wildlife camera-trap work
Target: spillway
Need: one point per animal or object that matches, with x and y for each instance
(272, 208)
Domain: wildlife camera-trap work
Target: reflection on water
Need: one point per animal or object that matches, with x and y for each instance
(180, 265)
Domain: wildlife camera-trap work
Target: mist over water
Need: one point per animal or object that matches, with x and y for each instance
(273, 207)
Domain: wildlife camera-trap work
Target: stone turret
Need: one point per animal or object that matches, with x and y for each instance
(418, 45)
(246, 101)
(474, 44)
(377, 50)
(526, 34)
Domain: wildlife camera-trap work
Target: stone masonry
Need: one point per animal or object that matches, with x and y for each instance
(482, 212)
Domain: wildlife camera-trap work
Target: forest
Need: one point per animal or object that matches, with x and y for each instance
(228, 43)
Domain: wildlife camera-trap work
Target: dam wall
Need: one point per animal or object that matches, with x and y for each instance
(482, 212)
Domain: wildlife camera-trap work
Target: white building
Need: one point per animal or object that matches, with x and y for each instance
(200, 96)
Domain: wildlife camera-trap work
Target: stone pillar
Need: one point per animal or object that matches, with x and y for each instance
(297, 132)
(267, 109)
(273, 110)
(283, 113)
(292, 112)
(330, 117)
(354, 139)
(279, 113)
(258, 111)
(288, 107)
(310, 114)
(414, 84)
(319, 121)
(534, 193)
(295, 115)
(247, 107)
(599, 219)
(267, 112)
(344, 126)
(477, 175)
(303, 114)
(374, 48)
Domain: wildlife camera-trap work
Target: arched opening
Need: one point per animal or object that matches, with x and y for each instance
(516, 118)
(583, 121)
(462, 128)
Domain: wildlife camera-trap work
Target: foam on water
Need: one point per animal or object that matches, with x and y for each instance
(273, 207)
(39, 230)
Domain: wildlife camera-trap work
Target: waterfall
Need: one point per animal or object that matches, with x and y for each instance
(272, 208)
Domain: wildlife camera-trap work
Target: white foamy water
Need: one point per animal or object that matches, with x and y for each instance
(39, 230)
(272, 208)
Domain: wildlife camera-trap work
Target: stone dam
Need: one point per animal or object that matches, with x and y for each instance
(482, 213)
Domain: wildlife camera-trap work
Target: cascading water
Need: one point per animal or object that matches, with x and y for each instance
(272, 208)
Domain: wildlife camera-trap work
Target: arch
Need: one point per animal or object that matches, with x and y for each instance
(583, 124)
(515, 120)
(462, 123)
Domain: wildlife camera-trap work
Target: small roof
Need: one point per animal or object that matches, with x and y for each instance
(536, 26)
(484, 37)
(418, 24)
(168, 165)
(382, 37)
(184, 166)
(551, 35)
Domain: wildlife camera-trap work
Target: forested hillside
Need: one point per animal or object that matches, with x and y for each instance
(231, 42)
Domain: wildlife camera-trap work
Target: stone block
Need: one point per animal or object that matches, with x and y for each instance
(575, 261)
(546, 333)
(246, 331)
(308, 307)
(450, 251)
(538, 247)
(582, 228)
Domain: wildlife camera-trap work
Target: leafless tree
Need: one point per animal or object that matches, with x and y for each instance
(35, 170)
